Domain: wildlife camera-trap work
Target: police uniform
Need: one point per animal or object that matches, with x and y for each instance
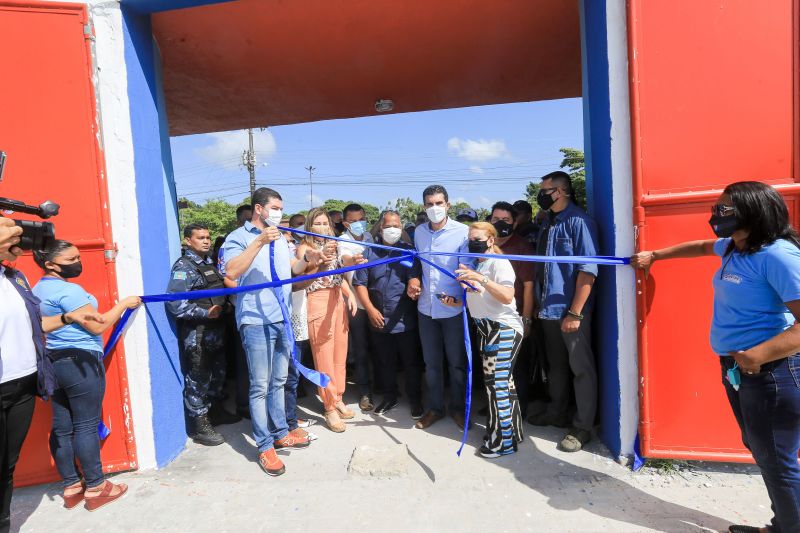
(202, 338)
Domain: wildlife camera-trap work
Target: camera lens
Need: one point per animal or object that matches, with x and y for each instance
(35, 235)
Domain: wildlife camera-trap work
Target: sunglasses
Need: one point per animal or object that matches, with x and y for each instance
(722, 210)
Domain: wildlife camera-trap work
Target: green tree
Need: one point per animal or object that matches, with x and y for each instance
(218, 215)
(407, 208)
(573, 162)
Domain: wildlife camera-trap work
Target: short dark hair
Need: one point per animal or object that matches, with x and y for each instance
(334, 212)
(50, 252)
(430, 190)
(264, 195)
(522, 205)
(294, 218)
(189, 230)
(242, 208)
(351, 208)
(762, 211)
(560, 179)
(504, 206)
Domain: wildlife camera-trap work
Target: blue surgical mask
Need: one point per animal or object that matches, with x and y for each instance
(358, 228)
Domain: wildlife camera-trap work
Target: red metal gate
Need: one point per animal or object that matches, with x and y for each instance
(48, 127)
(714, 88)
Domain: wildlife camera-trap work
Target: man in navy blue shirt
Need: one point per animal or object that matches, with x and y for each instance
(392, 316)
(564, 297)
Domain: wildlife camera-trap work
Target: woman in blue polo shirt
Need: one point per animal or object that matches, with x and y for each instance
(76, 352)
(754, 330)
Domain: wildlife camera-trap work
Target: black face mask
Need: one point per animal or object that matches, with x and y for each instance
(340, 227)
(545, 200)
(504, 229)
(478, 247)
(723, 227)
(70, 271)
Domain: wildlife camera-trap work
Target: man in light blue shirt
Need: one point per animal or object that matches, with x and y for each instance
(440, 326)
(261, 324)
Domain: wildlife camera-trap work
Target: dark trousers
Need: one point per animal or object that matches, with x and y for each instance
(390, 346)
(77, 405)
(570, 354)
(17, 400)
(767, 408)
(359, 349)
(290, 394)
(443, 338)
(204, 363)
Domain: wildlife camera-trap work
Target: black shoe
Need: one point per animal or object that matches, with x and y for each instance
(416, 411)
(543, 419)
(204, 433)
(218, 416)
(244, 413)
(386, 405)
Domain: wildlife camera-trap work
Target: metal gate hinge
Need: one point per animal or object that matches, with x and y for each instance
(110, 254)
(88, 31)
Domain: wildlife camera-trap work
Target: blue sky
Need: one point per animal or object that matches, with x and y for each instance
(481, 154)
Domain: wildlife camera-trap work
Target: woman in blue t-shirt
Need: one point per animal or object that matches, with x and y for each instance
(754, 330)
(77, 355)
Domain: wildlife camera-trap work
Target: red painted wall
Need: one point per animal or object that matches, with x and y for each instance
(713, 88)
(48, 128)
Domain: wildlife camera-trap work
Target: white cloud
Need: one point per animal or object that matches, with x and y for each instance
(460, 200)
(475, 169)
(315, 200)
(481, 150)
(227, 145)
(485, 202)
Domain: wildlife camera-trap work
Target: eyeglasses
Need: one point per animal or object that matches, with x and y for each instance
(722, 210)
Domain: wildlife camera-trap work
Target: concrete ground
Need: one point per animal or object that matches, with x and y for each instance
(429, 489)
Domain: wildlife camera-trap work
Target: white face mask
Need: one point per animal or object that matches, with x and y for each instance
(391, 235)
(275, 216)
(437, 213)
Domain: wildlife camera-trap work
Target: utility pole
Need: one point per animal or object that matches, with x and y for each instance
(249, 161)
(311, 185)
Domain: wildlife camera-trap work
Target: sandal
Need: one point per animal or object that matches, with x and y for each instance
(333, 421)
(104, 496)
(72, 500)
(344, 412)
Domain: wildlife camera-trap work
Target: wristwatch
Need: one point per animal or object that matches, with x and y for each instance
(527, 320)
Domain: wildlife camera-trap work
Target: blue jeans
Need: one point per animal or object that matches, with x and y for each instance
(77, 403)
(443, 338)
(767, 408)
(267, 351)
(290, 394)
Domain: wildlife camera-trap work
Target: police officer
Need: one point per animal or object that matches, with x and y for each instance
(202, 336)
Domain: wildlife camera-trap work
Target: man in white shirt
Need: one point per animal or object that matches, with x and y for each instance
(351, 253)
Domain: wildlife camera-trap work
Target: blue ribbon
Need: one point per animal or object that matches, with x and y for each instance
(406, 257)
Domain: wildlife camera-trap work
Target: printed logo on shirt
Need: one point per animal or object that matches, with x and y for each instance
(733, 278)
(21, 283)
(179, 275)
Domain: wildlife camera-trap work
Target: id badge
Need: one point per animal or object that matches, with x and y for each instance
(734, 377)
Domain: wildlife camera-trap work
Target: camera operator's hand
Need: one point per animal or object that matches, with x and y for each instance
(9, 238)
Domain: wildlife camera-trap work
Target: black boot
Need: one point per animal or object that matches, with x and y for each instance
(204, 433)
(218, 416)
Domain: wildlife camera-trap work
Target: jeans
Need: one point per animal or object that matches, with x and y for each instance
(290, 394)
(443, 338)
(390, 346)
(267, 349)
(77, 405)
(17, 400)
(767, 408)
(570, 357)
(359, 346)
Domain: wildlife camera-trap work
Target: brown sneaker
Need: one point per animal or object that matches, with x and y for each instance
(365, 404)
(458, 418)
(271, 463)
(333, 421)
(345, 413)
(428, 419)
(109, 492)
(292, 441)
(299, 433)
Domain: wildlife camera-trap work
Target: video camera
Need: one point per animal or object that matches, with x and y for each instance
(35, 235)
